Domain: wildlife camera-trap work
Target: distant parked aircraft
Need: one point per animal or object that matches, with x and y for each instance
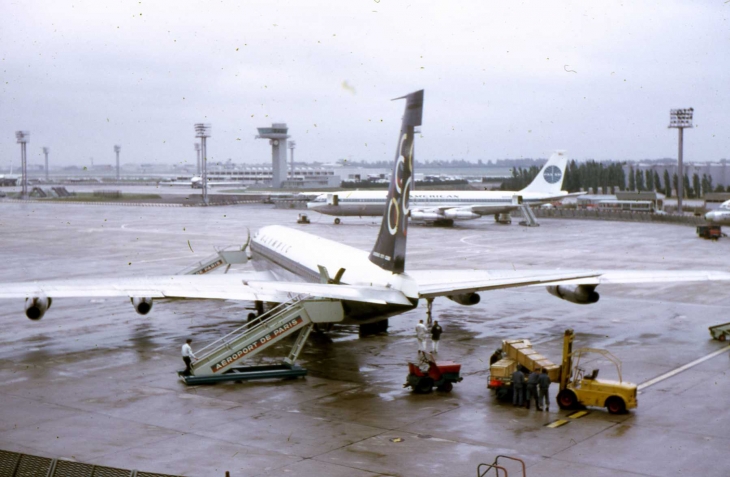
(444, 207)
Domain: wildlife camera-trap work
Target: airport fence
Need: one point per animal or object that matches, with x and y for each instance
(619, 215)
(13, 464)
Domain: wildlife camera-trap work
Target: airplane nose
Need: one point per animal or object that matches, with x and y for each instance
(710, 216)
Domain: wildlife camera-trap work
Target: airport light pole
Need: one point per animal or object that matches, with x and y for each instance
(202, 130)
(117, 148)
(23, 137)
(680, 119)
(292, 145)
(197, 163)
(45, 153)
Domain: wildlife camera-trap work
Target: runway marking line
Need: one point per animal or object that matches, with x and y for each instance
(687, 366)
(578, 415)
(558, 423)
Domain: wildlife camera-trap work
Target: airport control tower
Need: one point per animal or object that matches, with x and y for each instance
(277, 137)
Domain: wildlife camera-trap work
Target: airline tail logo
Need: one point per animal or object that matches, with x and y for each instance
(403, 173)
(550, 178)
(389, 252)
(552, 174)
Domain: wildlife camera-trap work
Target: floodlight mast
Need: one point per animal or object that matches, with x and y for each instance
(197, 163)
(117, 148)
(202, 130)
(23, 137)
(680, 119)
(292, 145)
(45, 153)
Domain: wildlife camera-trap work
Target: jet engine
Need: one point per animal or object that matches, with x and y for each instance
(419, 216)
(142, 305)
(457, 214)
(467, 299)
(580, 294)
(35, 307)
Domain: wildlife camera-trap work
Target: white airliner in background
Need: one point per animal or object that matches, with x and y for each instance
(444, 207)
(721, 216)
(371, 286)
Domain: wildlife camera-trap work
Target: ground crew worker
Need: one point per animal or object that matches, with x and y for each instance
(532, 382)
(436, 331)
(518, 387)
(187, 356)
(496, 356)
(543, 384)
(421, 335)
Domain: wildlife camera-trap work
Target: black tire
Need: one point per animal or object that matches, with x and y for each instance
(446, 387)
(615, 405)
(424, 386)
(337, 221)
(722, 337)
(567, 399)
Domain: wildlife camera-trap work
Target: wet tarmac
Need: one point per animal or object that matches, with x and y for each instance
(95, 382)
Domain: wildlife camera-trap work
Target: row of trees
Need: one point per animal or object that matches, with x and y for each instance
(610, 177)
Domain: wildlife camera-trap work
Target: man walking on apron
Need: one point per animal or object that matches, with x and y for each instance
(187, 356)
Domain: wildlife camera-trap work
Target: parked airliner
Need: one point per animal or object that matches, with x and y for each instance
(721, 216)
(444, 207)
(371, 286)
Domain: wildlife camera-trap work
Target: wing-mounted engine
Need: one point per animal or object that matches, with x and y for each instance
(35, 307)
(142, 305)
(425, 216)
(466, 299)
(460, 214)
(580, 294)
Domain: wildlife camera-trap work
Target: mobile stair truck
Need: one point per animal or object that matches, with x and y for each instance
(221, 360)
(577, 389)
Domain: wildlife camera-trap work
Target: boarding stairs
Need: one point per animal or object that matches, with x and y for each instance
(529, 216)
(222, 359)
(223, 257)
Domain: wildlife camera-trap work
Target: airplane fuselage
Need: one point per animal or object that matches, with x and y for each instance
(294, 255)
(372, 203)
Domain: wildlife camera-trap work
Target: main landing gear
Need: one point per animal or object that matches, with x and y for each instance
(368, 329)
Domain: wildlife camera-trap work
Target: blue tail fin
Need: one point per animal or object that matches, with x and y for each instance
(389, 252)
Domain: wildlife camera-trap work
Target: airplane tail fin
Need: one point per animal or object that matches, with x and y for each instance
(389, 252)
(550, 178)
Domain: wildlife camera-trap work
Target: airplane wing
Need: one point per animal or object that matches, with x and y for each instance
(223, 287)
(434, 283)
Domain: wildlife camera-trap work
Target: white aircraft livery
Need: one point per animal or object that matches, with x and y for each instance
(371, 286)
(444, 207)
(721, 216)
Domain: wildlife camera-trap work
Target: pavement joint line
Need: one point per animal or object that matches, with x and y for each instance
(687, 366)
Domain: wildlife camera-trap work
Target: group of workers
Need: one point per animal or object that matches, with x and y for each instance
(537, 385)
(422, 334)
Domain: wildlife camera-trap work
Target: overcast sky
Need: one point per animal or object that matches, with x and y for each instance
(501, 80)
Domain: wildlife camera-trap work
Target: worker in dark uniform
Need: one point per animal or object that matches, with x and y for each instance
(436, 331)
(496, 356)
(543, 384)
(518, 387)
(532, 382)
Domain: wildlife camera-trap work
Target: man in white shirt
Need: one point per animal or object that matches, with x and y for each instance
(421, 335)
(187, 356)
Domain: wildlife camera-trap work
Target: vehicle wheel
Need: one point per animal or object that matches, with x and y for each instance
(615, 405)
(722, 337)
(446, 387)
(424, 386)
(566, 399)
(337, 221)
